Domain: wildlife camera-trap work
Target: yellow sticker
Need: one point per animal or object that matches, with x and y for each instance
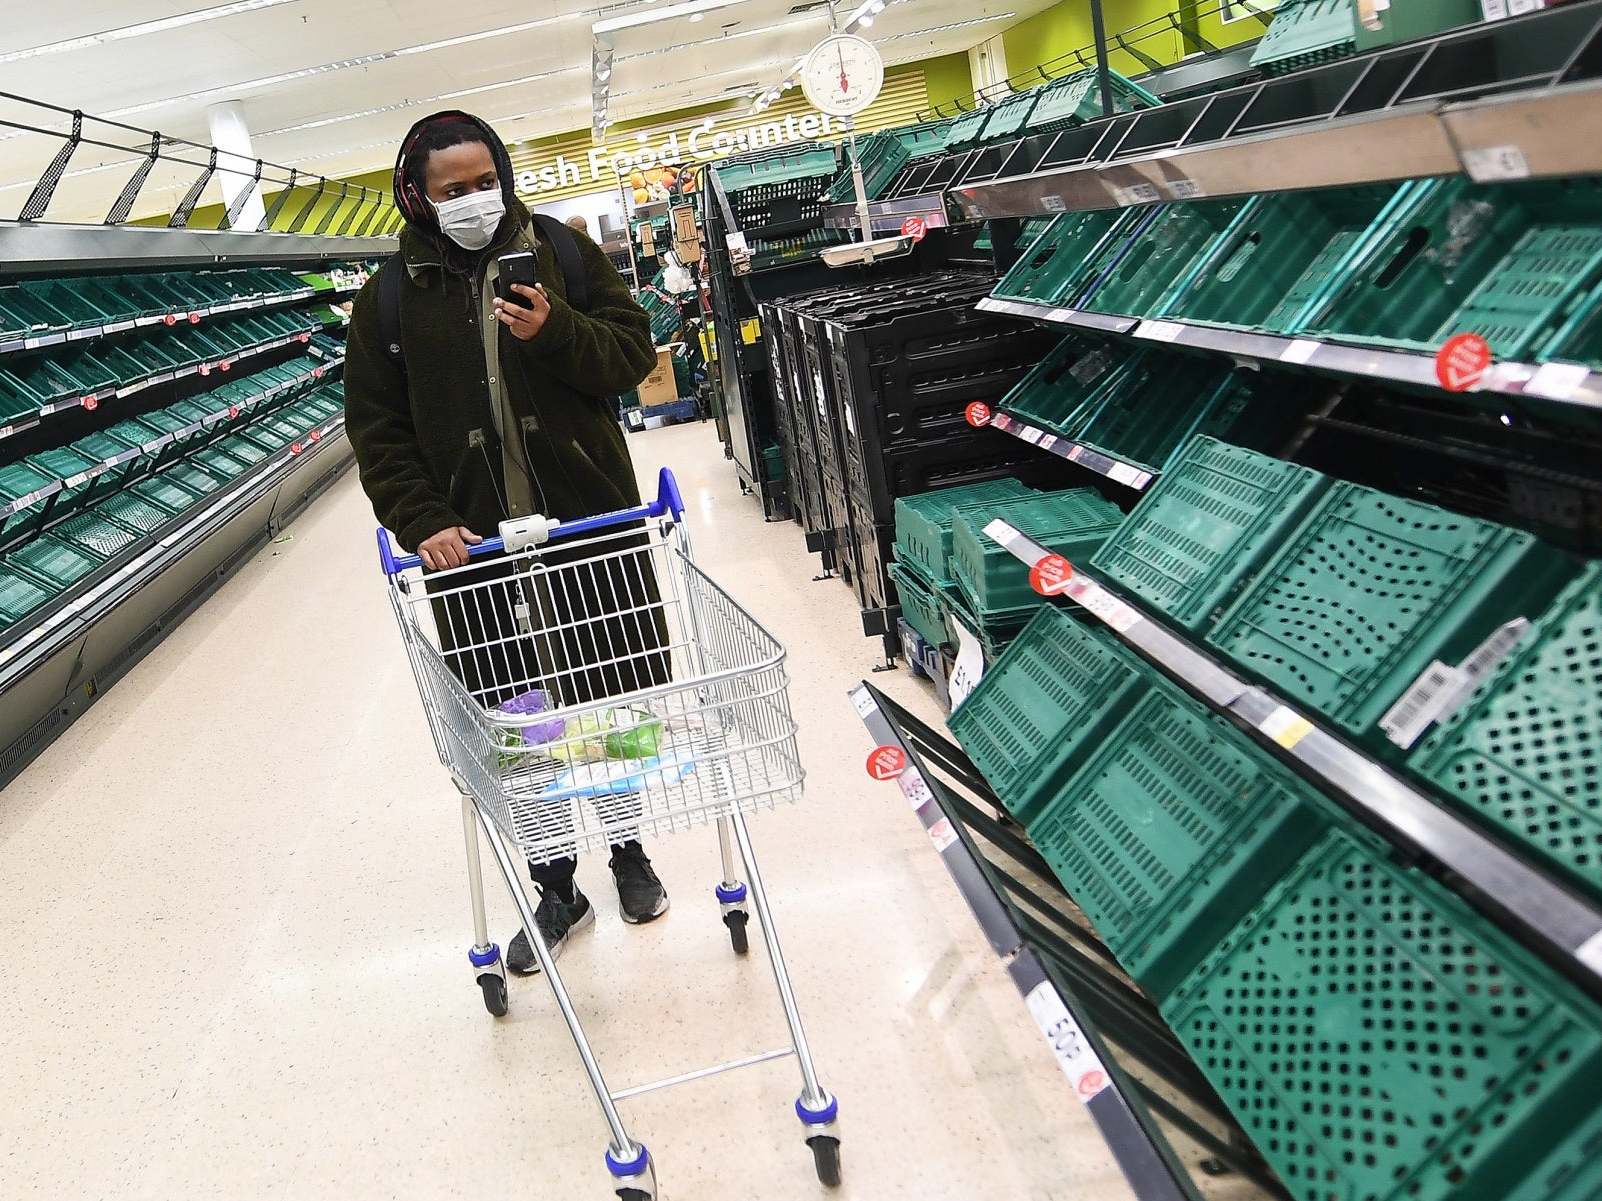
(750, 331)
(1286, 727)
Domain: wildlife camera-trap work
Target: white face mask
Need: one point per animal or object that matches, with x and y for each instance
(471, 220)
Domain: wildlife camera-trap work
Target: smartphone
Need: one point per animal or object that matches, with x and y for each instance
(515, 269)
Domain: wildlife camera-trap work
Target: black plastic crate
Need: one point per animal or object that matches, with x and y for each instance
(873, 550)
(967, 458)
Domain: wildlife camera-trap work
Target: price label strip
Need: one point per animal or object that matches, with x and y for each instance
(1075, 1056)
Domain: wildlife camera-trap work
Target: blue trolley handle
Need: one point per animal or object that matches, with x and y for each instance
(668, 500)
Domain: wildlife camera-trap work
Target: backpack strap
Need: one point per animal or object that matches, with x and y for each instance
(389, 302)
(564, 242)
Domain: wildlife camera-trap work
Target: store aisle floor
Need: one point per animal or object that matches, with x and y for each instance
(234, 919)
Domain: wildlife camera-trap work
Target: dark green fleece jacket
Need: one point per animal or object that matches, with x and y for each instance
(425, 439)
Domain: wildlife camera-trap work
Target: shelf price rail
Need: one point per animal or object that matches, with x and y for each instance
(1564, 929)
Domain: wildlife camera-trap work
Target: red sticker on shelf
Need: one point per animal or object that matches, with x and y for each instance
(316, 435)
(915, 228)
(978, 414)
(1461, 361)
(294, 448)
(91, 403)
(233, 412)
(317, 373)
(225, 365)
(887, 762)
(171, 319)
(205, 369)
(194, 318)
(1050, 576)
(303, 338)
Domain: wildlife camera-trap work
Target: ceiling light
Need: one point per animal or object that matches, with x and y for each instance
(642, 136)
(603, 76)
(142, 29)
(697, 17)
(635, 19)
(918, 33)
(876, 7)
(864, 20)
(388, 108)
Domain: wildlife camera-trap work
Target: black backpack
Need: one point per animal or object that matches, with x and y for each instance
(575, 280)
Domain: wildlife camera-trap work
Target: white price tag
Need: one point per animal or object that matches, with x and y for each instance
(1075, 1056)
(1494, 163)
(970, 665)
(1047, 442)
(1299, 351)
(1054, 204)
(1075, 453)
(1159, 331)
(942, 834)
(1185, 189)
(1557, 381)
(914, 788)
(1123, 473)
(862, 701)
(1140, 193)
(1286, 727)
(1107, 607)
(1031, 435)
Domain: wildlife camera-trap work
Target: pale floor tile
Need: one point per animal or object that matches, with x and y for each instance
(234, 919)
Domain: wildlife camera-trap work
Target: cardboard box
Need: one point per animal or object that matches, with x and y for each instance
(659, 387)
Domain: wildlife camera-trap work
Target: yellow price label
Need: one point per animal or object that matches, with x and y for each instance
(750, 331)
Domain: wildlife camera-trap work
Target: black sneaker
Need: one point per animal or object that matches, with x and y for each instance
(640, 895)
(558, 921)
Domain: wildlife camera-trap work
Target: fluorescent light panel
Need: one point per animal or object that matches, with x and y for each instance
(142, 29)
(652, 16)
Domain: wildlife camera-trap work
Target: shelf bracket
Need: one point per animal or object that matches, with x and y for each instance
(45, 188)
(130, 190)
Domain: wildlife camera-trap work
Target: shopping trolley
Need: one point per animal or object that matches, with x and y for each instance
(587, 684)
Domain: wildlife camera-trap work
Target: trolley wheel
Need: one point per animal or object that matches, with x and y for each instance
(826, 1158)
(494, 990)
(735, 920)
(634, 1194)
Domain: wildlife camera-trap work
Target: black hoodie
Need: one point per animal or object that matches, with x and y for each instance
(426, 441)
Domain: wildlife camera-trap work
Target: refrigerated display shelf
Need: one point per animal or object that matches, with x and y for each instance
(1555, 381)
(1560, 925)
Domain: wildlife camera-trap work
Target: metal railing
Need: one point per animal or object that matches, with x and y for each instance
(1186, 26)
(352, 209)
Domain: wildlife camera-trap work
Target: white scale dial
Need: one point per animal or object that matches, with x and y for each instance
(842, 75)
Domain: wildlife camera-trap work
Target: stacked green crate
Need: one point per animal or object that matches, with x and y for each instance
(19, 596)
(922, 568)
(1369, 590)
(1306, 33)
(1377, 1038)
(51, 563)
(1165, 834)
(1076, 98)
(1510, 262)
(1523, 753)
(1283, 254)
(993, 594)
(1204, 529)
(1135, 279)
(27, 492)
(1055, 267)
(1044, 706)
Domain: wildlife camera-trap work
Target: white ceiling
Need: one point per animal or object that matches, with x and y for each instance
(303, 69)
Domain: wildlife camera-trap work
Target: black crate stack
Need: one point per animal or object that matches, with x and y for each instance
(877, 380)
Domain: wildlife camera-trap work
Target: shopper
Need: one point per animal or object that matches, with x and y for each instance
(578, 224)
(465, 410)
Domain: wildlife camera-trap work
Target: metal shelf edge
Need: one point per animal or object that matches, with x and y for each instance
(36, 249)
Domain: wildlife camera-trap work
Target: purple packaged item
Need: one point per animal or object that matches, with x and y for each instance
(530, 702)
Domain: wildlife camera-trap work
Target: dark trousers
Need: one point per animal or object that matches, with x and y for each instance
(599, 633)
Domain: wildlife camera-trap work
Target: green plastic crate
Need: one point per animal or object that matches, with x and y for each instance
(1056, 265)
(196, 478)
(1510, 262)
(19, 596)
(1284, 253)
(1009, 116)
(18, 480)
(241, 448)
(1525, 753)
(923, 525)
(1205, 528)
(805, 162)
(1135, 282)
(1571, 1173)
(1378, 1040)
(1369, 590)
(965, 130)
(1064, 387)
(52, 563)
(133, 512)
(221, 460)
(164, 493)
(25, 314)
(1306, 33)
(1072, 524)
(82, 302)
(1075, 99)
(1044, 706)
(95, 534)
(995, 631)
(64, 463)
(920, 604)
(1167, 835)
(1579, 340)
(1147, 415)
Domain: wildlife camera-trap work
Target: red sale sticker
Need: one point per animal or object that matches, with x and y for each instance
(294, 448)
(1050, 576)
(316, 435)
(194, 318)
(887, 762)
(915, 228)
(978, 414)
(91, 403)
(233, 411)
(226, 365)
(205, 369)
(1461, 361)
(304, 338)
(317, 373)
(171, 319)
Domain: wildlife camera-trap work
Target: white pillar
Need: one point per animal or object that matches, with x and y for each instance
(229, 132)
(987, 63)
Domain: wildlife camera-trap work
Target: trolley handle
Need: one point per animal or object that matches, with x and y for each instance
(668, 500)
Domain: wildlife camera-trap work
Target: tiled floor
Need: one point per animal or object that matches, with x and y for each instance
(234, 921)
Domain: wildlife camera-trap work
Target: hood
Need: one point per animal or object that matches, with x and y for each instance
(414, 206)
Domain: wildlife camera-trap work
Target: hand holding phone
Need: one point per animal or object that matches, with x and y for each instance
(520, 303)
(514, 269)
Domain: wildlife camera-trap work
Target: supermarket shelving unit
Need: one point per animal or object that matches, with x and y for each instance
(171, 400)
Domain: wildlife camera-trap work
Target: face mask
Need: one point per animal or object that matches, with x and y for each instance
(471, 220)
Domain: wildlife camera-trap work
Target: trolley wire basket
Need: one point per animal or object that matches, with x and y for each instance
(599, 688)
